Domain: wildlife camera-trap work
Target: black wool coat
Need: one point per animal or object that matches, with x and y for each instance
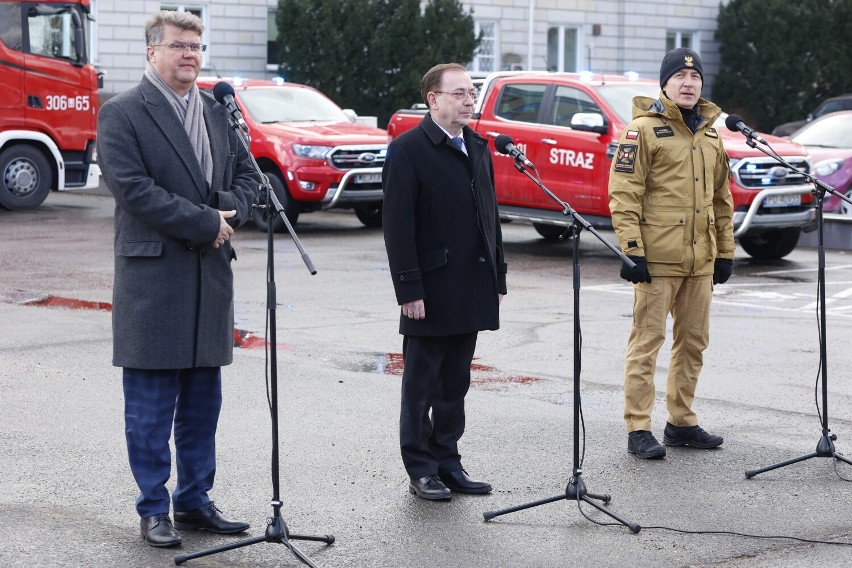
(173, 295)
(442, 231)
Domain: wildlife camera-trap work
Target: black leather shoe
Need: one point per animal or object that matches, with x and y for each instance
(460, 482)
(693, 436)
(644, 445)
(158, 530)
(207, 518)
(429, 487)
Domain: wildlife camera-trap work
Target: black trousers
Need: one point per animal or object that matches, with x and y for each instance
(435, 380)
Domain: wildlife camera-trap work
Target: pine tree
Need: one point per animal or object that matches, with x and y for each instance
(780, 58)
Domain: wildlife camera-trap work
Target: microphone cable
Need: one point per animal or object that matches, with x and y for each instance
(714, 532)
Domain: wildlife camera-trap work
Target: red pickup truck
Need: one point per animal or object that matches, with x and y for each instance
(568, 125)
(314, 155)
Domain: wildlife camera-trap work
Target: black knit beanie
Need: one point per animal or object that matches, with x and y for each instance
(678, 59)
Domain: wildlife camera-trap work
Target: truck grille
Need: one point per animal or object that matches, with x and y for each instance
(355, 157)
(760, 173)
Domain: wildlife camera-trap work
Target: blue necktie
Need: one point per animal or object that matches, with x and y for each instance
(457, 142)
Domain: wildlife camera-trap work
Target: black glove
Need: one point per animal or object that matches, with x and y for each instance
(722, 270)
(638, 274)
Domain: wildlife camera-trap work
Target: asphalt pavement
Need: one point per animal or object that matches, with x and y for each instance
(67, 496)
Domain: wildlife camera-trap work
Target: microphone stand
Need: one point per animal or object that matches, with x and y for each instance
(576, 488)
(276, 528)
(825, 445)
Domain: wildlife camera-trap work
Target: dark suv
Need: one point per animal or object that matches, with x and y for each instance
(834, 104)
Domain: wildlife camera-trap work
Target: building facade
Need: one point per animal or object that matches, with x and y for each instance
(608, 36)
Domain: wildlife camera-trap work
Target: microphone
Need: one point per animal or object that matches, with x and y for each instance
(735, 123)
(224, 93)
(503, 144)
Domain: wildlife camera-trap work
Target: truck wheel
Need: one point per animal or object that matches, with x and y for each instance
(25, 176)
(291, 208)
(550, 232)
(370, 215)
(771, 245)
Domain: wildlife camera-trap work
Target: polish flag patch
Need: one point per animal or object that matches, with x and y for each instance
(632, 134)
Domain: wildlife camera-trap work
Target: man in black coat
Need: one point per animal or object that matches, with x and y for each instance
(445, 249)
(182, 182)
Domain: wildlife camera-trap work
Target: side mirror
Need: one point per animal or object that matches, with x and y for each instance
(351, 115)
(589, 122)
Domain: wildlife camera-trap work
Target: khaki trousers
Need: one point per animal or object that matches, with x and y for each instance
(687, 298)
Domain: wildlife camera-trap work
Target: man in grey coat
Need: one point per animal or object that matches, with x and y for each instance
(182, 182)
(445, 251)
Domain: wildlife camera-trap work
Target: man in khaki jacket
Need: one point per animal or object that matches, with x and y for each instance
(672, 212)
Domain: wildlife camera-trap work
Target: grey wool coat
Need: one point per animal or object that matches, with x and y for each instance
(173, 293)
(442, 231)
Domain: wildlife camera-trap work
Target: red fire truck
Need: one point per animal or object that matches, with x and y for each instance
(48, 103)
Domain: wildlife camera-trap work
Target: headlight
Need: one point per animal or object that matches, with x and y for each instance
(827, 167)
(316, 152)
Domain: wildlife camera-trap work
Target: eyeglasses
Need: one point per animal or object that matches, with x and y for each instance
(461, 95)
(183, 46)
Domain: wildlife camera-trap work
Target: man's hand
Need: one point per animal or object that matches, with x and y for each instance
(414, 310)
(225, 230)
(722, 270)
(638, 274)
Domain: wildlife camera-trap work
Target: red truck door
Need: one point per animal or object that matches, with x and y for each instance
(572, 163)
(515, 114)
(59, 88)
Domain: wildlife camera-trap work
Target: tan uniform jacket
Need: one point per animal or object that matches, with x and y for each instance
(669, 191)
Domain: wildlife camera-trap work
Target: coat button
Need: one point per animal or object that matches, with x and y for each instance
(481, 259)
(401, 277)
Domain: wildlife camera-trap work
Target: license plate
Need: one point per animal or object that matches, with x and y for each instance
(368, 178)
(783, 200)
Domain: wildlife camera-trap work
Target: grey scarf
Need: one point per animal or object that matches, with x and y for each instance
(191, 114)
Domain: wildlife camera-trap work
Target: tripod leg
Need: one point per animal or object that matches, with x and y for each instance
(298, 553)
(634, 528)
(751, 473)
(488, 515)
(181, 558)
(603, 498)
(841, 458)
(328, 539)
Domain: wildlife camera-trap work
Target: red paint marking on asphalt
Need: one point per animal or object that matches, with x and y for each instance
(483, 376)
(49, 301)
(244, 339)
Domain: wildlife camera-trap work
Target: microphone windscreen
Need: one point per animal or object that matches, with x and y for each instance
(732, 121)
(501, 143)
(221, 90)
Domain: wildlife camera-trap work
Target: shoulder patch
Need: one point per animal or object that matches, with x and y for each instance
(625, 158)
(711, 132)
(663, 131)
(632, 134)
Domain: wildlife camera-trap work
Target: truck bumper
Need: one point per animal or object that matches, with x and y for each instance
(752, 221)
(347, 193)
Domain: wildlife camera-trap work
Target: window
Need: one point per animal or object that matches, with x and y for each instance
(562, 48)
(10, 26)
(520, 102)
(485, 59)
(682, 39)
(198, 11)
(569, 101)
(272, 47)
(51, 32)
